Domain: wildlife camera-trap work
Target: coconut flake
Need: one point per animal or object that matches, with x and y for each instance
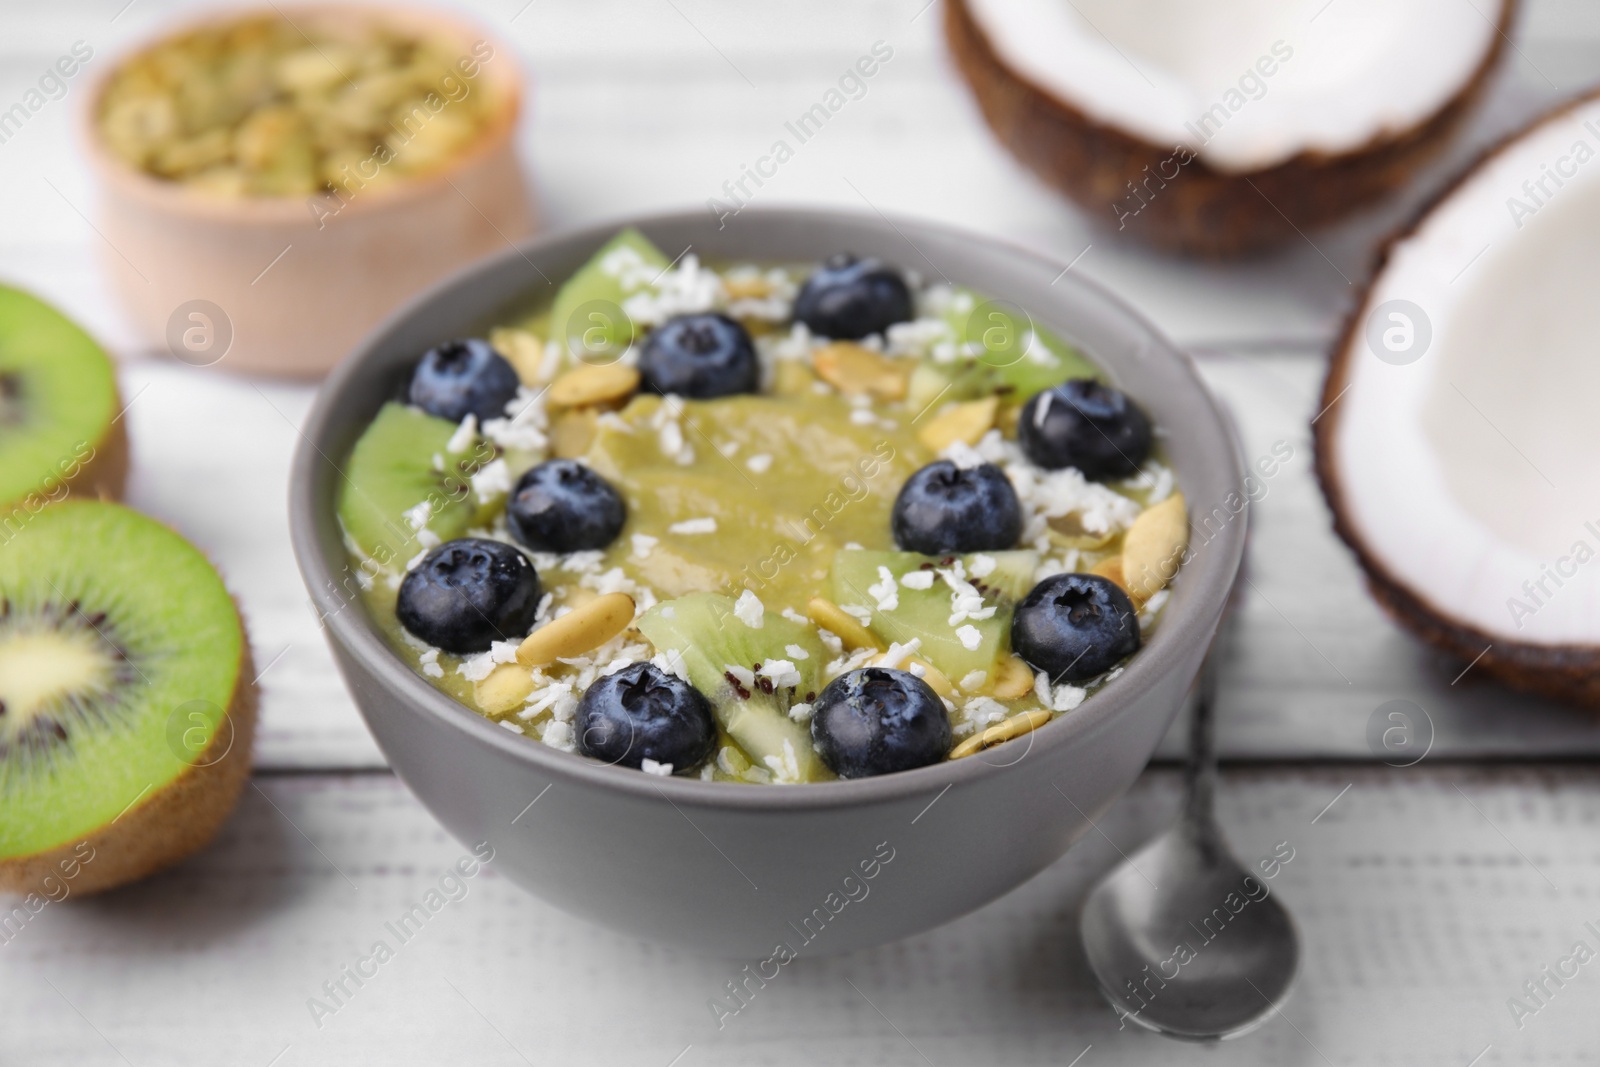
(749, 610)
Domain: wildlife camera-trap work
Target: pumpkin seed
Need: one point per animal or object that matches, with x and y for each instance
(932, 675)
(583, 629)
(591, 385)
(966, 423)
(853, 369)
(506, 687)
(1154, 547)
(834, 619)
(523, 351)
(1015, 726)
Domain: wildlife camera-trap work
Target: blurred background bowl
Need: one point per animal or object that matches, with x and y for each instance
(288, 285)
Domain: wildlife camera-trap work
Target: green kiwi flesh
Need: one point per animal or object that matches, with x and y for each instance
(1019, 357)
(924, 614)
(121, 654)
(704, 629)
(403, 460)
(601, 329)
(58, 404)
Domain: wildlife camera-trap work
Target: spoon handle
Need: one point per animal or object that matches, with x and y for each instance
(1200, 773)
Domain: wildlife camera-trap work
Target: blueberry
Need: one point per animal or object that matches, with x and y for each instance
(700, 357)
(1084, 424)
(461, 378)
(944, 508)
(1075, 626)
(641, 713)
(467, 594)
(563, 506)
(850, 298)
(878, 721)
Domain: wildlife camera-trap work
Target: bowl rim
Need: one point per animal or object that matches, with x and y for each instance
(1187, 623)
(171, 196)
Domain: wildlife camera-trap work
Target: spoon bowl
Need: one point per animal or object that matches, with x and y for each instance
(1185, 941)
(1182, 937)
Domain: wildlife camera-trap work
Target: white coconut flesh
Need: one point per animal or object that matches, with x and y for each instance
(1247, 84)
(1473, 473)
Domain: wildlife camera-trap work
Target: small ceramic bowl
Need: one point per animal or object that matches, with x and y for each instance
(287, 285)
(826, 867)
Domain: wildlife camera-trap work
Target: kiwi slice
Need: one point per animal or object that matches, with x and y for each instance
(707, 631)
(1010, 367)
(59, 426)
(587, 312)
(404, 460)
(126, 706)
(925, 613)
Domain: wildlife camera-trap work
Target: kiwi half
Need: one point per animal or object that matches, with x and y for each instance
(59, 427)
(126, 706)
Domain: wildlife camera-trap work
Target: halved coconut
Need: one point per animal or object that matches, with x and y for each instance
(1460, 444)
(1224, 127)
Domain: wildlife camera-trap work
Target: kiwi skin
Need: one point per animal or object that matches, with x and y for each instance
(106, 474)
(103, 477)
(168, 825)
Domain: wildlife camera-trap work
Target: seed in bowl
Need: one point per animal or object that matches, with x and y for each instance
(800, 496)
(269, 107)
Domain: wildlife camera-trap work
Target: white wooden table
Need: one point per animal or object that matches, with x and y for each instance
(1426, 896)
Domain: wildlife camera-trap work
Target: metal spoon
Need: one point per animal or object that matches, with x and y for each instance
(1184, 939)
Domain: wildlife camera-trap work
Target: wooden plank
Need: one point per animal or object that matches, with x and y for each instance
(1425, 899)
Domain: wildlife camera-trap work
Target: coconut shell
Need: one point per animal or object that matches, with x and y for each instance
(1201, 211)
(168, 825)
(1569, 672)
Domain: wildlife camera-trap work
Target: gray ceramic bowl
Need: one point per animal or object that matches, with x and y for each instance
(822, 868)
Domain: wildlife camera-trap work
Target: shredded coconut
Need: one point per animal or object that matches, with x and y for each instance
(886, 592)
(557, 734)
(492, 481)
(795, 651)
(671, 662)
(430, 664)
(782, 672)
(759, 463)
(694, 526)
(465, 434)
(898, 653)
(917, 580)
(477, 668)
(970, 637)
(650, 766)
(750, 611)
(787, 767)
